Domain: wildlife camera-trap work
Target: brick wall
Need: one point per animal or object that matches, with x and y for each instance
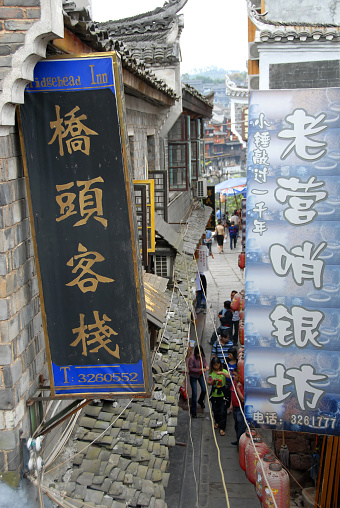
(22, 350)
(320, 74)
(16, 16)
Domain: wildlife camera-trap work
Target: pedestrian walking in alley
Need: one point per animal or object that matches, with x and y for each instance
(232, 367)
(236, 220)
(220, 236)
(232, 235)
(208, 240)
(224, 328)
(226, 313)
(235, 321)
(221, 347)
(197, 366)
(201, 292)
(217, 379)
(239, 423)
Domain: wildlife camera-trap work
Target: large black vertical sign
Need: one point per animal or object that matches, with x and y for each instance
(210, 201)
(84, 228)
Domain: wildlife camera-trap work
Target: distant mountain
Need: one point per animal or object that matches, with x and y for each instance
(216, 75)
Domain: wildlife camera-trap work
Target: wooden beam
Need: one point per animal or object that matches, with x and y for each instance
(71, 44)
(325, 483)
(337, 476)
(251, 31)
(134, 85)
(253, 67)
(320, 472)
(331, 473)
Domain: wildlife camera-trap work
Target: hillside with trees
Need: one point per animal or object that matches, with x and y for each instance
(216, 76)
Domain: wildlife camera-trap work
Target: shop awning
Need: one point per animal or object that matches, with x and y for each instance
(229, 186)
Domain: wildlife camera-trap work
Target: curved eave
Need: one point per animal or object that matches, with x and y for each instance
(233, 91)
(298, 34)
(273, 31)
(170, 8)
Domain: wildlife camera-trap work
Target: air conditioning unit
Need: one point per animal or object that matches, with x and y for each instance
(202, 191)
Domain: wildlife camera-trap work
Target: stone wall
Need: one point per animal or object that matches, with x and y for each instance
(22, 350)
(301, 446)
(320, 74)
(143, 124)
(304, 11)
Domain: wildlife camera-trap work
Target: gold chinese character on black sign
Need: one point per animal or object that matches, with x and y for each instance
(86, 260)
(100, 332)
(90, 201)
(74, 127)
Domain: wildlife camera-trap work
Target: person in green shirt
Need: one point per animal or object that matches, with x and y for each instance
(217, 379)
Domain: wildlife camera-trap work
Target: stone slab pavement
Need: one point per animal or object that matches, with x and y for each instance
(195, 477)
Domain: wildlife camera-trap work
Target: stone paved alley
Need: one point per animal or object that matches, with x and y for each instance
(206, 484)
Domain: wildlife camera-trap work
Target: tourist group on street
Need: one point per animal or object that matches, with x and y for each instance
(220, 375)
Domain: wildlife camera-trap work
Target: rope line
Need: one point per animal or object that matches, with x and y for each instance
(241, 409)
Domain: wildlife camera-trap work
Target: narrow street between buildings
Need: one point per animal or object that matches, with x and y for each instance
(195, 477)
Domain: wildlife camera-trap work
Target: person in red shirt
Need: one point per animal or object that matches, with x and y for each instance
(240, 424)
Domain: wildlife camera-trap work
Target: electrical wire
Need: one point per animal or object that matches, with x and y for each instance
(55, 452)
(88, 445)
(209, 405)
(164, 329)
(241, 409)
(190, 422)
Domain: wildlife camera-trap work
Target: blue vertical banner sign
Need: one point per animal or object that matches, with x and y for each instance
(84, 229)
(292, 318)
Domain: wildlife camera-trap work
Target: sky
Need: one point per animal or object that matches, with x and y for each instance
(215, 31)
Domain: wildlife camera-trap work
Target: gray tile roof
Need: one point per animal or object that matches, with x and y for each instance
(100, 40)
(156, 300)
(195, 227)
(150, 36)
(164, 230)
(207, 99)
(276, 31)
(233, 91)
(127, 465)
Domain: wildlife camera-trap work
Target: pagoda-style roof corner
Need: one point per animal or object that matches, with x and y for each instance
(278, 31)
(234, 91)
(152, 36)
(169, 9)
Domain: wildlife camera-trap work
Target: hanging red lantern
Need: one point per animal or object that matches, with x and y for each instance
(242, 302)
(263, 466)
(252, 458)
(240, 369)
(242, 260)
(243, 442)
(277, 482)
(240, 353)
(235, 303)
(241, 333)
(241, 313)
